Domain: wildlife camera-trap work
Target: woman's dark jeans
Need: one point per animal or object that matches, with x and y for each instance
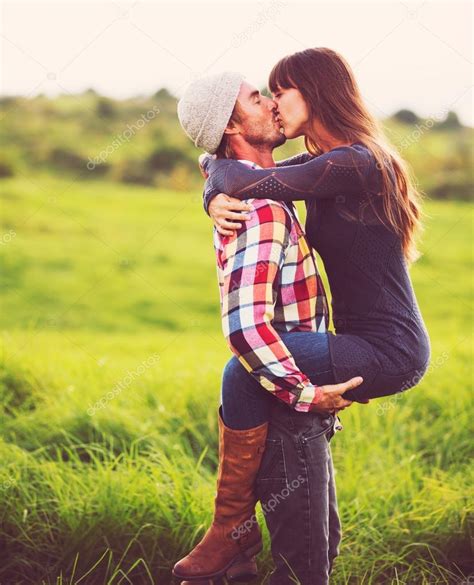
(295, 482)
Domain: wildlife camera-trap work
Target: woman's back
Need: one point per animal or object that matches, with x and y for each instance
(372, 295)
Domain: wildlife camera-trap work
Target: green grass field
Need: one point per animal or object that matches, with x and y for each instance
(111, 360)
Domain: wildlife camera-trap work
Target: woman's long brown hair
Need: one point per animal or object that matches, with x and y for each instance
(329, 88)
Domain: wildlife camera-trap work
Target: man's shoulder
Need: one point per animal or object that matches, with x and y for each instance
(269, 219)
(268, 210)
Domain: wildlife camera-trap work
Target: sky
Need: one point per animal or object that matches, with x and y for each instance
(405, 54)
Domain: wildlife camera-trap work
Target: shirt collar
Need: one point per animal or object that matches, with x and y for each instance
(249, 163)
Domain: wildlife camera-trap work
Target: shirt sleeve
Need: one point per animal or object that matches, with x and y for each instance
(341, 170)
(251, 261)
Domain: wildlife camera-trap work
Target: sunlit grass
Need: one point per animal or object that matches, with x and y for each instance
(110, 379)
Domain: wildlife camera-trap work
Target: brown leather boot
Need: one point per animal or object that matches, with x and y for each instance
(234, 533)
(242, 571)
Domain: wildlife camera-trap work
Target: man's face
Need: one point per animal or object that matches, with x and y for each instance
(259, 125)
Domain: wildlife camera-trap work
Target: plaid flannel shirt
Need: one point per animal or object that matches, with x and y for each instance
(269, 282)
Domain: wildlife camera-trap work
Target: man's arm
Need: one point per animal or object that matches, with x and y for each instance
(251, 261)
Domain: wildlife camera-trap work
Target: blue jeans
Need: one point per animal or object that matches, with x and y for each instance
(295, 483)
(246, 404)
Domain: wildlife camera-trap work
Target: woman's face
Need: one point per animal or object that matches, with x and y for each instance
(292, 113)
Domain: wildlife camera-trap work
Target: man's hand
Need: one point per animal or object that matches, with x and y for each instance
(223, 209)
(332, 400)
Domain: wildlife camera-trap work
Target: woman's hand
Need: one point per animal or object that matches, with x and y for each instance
(224, 210)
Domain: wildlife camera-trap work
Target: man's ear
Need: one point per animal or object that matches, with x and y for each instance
(232, 128)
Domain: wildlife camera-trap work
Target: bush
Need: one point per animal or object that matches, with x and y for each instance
(106, 108)
(6, 169)
(406, 117)
(132, 171)
(451, 121)
(452, 185)
(67, 159)
(165, 158)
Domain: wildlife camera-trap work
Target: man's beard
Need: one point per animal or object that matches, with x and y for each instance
(269, 138)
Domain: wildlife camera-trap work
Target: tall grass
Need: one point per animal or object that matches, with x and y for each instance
(109, 386)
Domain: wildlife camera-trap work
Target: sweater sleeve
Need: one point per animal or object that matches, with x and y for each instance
(343, 169)
(298, 159)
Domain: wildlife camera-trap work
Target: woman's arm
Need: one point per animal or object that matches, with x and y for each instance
(205, 159)
(297, 159)
(343, 169)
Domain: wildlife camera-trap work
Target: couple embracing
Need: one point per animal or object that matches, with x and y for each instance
(290, 376)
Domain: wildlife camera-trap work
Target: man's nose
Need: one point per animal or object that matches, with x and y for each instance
(272, 105)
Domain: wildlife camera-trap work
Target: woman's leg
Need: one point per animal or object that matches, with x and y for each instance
(246, 404)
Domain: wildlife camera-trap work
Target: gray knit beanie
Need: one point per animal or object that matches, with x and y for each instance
(206, 107)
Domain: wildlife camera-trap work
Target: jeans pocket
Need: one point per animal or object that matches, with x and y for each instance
(273, 467)
(320, 426)
(315, 441)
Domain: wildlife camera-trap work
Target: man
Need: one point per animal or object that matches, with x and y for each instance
(224, 114)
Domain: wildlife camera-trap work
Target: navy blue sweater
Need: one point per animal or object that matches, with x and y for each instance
(380, 333)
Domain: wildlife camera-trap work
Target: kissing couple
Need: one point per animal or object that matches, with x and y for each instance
(290, 376)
